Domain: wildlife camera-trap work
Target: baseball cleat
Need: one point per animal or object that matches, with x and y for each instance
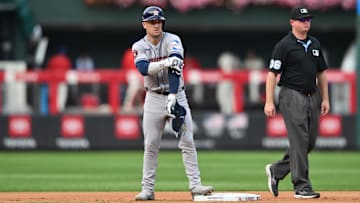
(272, 181)
(201, 190)
(306, 194)
(145, 195)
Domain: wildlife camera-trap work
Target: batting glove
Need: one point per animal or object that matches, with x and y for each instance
(171, 101)
(170, 62)
(176, 65)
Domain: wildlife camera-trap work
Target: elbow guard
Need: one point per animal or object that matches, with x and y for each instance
(143, 66)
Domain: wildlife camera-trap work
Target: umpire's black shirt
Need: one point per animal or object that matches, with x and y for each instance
(298, 61)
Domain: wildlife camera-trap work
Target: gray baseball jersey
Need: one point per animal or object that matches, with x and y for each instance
(170, 44)
(155, 116)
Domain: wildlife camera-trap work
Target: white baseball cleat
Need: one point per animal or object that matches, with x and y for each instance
(145, 195)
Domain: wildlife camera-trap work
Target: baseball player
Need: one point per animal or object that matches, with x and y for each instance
(302, 99)
(159, 58)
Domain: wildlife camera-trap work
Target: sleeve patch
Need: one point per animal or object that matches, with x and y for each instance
(135, 53)
(275, 64)
(175, 45)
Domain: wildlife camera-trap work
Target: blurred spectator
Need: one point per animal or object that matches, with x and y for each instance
(237, 5)
(59, 63)
(33, 61)
(254, 64)
(84, 63)
(134, 96)
(348, 63)
(192, 65)
(227, 62)
(252, 61)
(340, 91)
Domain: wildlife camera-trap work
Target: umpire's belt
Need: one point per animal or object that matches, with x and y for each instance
(308, 94)
(161, 92)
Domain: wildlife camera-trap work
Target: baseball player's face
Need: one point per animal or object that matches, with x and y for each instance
(153, 27)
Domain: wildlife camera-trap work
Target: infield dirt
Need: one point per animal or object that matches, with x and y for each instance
(175, 197)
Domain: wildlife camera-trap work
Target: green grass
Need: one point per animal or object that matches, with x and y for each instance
(122, 170)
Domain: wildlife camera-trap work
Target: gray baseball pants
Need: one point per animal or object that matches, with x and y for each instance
(154, 120)
(301, 114)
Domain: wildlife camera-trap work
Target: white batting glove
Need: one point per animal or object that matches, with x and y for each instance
(176, 65)
(169, 61)
(171, 101)
(157, 66)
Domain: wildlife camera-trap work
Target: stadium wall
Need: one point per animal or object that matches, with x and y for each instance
(212, 131)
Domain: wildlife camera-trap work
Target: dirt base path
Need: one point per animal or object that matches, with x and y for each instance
(176, 197)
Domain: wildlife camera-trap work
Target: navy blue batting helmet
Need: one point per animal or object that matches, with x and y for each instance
(153, 13)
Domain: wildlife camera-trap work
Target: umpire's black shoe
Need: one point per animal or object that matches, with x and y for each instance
(272, 181)
(306, 194)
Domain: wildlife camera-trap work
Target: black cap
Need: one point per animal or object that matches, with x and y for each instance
(299, 13)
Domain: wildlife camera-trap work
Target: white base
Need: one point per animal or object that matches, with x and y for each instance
(227, 197)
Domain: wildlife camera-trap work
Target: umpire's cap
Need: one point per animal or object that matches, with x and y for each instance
(299, 13)
(153, 13)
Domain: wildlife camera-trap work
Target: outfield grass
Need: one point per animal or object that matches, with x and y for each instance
(122, 170)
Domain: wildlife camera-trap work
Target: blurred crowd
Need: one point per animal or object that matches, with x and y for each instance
(186, 5)
(132, 94)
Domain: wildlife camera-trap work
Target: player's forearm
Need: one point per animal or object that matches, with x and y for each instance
(170, 62)
(146, 68)
(152, 68)
(174, 82)
(155, 67)
(323, 85)
(270, 87)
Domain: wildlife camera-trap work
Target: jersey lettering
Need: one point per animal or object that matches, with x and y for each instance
(157, 59)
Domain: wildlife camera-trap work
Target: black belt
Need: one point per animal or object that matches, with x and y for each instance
(158, 92)
(308, 94)
(162, 93)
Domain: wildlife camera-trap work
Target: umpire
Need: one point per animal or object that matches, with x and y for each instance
(302, 98)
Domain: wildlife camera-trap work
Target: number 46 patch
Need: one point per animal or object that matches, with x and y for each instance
(275, 64)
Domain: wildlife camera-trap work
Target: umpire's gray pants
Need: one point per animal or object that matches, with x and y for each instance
(301, 114)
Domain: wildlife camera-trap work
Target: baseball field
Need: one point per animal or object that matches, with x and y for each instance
(115, 176)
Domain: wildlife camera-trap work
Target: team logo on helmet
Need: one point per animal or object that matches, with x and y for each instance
(153, 13)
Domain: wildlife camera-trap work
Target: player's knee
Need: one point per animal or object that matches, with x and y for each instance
(152, 147)
(186, 142)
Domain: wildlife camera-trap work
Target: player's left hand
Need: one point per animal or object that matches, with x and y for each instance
(171, 101)
(177, 65)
